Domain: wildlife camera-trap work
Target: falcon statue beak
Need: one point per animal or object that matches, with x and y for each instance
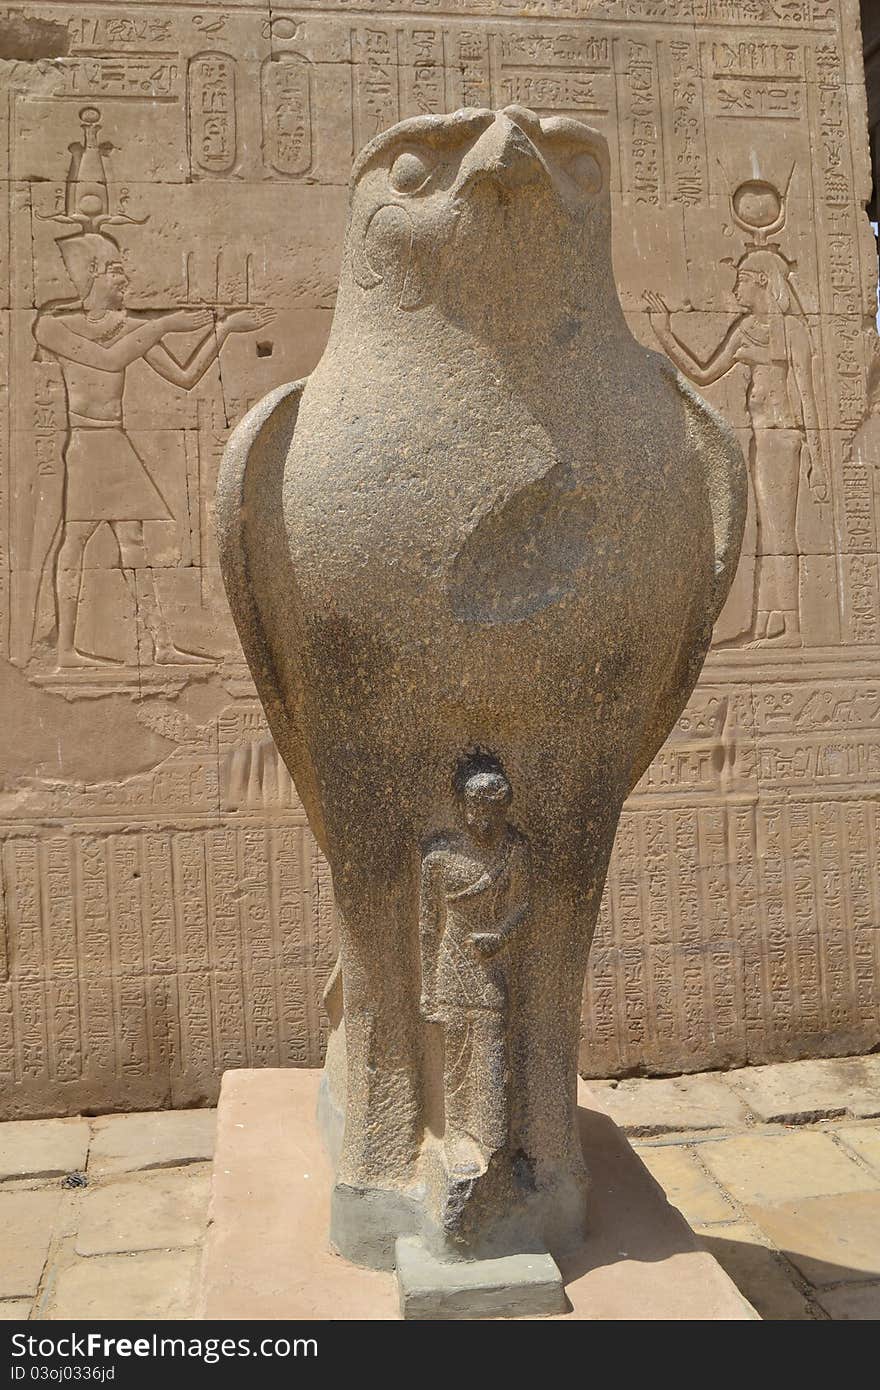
(504, 155)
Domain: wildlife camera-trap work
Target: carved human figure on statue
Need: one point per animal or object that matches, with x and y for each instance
(771, 338)
(105, 478)
(474, 896)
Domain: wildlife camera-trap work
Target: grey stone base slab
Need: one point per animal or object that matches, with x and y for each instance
(513, 1286)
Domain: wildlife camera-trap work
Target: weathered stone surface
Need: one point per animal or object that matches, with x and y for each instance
(43, 1148)
(799, 1092)
(685, 1183)
(143, 1287)
(861, 1303)
(510, 1286)
(15, 1309)
(158, 1139)
(831, 1239)
(863, 1140)
(27, 1220)
(137, 796)
(160, 1211)
(762, 1275)
(271, 1176)
(784, 1167)
(464, 699)
(644, 1107)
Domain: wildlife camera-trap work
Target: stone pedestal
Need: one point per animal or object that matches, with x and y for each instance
(267, 1256)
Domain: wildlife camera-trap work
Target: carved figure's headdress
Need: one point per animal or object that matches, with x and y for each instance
(759, 208)
(87, 192)
(481, 777)
(85, 255)
(488, 786)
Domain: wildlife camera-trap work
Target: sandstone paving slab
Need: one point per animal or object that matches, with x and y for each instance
(672, 1105)
(767, 1168)
(42, 1148)
(800, 1092)
(863, 1140)
(27, 1225)
(855, 1303)
(69, 1213)
(151, 1212)
(152, 1139)
(761, 1274)
(15, 1309)
(148, 1285)
(271, 1175)
(686, 1184)
(831, 1240)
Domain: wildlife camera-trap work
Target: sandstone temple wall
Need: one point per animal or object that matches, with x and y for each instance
(165, 912)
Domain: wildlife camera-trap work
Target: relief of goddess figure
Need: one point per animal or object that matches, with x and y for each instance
(771, 338)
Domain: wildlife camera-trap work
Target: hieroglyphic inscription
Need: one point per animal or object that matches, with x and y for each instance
(376, 79)
(189, 994)
(831, 145)
(549, 72)
(469, 61)
(424, 71)
(212, 112)
(147, 77)
(768, 897)
(685, 135)
(180, 171)
(102, 30)
(639, 120)
(287, 114)
(755, 78)
(61, 950)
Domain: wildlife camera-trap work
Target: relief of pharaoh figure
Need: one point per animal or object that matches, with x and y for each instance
(771, 339)
(474, 895)
(95, 339)
(105, 478)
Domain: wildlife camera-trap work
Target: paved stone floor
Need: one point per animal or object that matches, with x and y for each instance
(103, 1218)
(777, 1169)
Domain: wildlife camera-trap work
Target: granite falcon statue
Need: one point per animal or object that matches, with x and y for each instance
(474, 561)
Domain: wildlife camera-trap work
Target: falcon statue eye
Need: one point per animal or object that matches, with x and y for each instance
(584, 169)
(409, 171)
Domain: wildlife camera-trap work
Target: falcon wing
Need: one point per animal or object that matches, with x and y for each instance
(259, 579)
(724, 469)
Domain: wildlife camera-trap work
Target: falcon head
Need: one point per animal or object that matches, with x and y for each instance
(479, 209)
